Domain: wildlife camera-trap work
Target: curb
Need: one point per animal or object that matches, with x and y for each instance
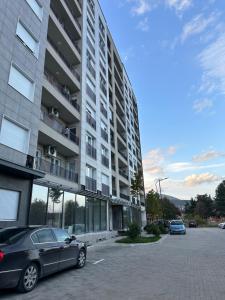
(148, 244)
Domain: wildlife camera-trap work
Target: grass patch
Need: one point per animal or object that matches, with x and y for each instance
(140, 239)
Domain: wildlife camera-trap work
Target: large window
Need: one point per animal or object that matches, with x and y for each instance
(9, 203)
(103, 215)
(97, 220)
(38, 207)
(55, 205)
(21, 83)
(14, 136)
(80, 215)
(69, 211)
(89, 214)
(36, 7)
(27, 39)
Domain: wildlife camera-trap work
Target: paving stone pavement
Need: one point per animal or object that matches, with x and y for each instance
(188, 267)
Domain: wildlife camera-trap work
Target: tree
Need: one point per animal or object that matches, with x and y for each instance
(220, 199)
(169, 210)
(204, 206)
(54, 194)
(153, 205)
(190, 207)
(137, 184)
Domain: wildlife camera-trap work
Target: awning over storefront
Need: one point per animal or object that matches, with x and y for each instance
(118, 201)
(11, 168)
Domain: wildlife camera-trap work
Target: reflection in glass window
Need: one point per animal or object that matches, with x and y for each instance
(126, 216)
(38, 205)
(55, 201)
(89, 215)
(103, 215)
(96, 215)
(80, 215)
(69, 211)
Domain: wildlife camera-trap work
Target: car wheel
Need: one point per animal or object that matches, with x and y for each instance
(81, 260)
(28, 279)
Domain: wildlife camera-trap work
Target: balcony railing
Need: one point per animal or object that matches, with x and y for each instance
(74, 16)
(55, 170)
(72, 68)
(90, 184)
(91, 151)
(123, 173)
(91, 69)
(103, 88)
(57, 126)
(122, 136)
(103, 111)
(90, 93)
(123, 196)
(75, 43)
(64, 91)
(123, 154)
(90, 120)
(105, 161)
(105, 189)
(104, 135)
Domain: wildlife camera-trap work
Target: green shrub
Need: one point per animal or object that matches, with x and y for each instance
(162, 229)
(134, 231)
(152, 229)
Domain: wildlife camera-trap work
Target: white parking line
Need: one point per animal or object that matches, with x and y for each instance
(98, 261)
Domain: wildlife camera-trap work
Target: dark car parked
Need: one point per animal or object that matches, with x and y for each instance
(30, 253)
(193, 224)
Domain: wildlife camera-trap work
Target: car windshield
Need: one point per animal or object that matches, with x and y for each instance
(11, 235)
(176, 223)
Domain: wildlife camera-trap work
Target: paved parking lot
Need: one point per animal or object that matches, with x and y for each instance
(180, 267)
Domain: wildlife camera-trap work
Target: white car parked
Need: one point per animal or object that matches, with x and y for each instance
(221, 225)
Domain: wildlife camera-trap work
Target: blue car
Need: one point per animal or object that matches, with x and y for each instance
(177, 227)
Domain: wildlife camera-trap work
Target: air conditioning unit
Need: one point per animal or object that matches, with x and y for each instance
(52, 111)
(50, 151)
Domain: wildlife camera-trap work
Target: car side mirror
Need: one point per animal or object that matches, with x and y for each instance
(73, 237)
(67, 240)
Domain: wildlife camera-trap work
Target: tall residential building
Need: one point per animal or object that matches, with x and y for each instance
(69, 131)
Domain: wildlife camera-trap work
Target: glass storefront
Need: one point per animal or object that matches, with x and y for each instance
(77, 214)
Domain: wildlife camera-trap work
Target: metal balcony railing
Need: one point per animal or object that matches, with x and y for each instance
(105, 189)
(90, 184)
(123, 154)
(123, 196)
(55, 170)
(91, 151)
(57, 126)
(62, 89)
(90, 120)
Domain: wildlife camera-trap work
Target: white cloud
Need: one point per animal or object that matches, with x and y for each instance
(202, 104)
(140, 7)
(197, 25)
(207, 155)
(143, 25)
(212, 62)
(179, 5)
(197, 179)
(188, 166)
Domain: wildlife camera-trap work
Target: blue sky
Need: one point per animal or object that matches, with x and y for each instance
(174, 53)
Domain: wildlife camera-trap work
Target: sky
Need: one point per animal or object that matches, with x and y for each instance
(174, 53)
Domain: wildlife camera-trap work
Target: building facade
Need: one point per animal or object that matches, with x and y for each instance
(69, 133)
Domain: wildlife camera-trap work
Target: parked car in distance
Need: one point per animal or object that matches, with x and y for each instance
(221, 225)
(30, 253)
(192, 224)
(177, 227)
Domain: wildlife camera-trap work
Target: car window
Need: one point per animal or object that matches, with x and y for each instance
(45, 236)
(34, 238)
(12, 235)
(61, 235)
(177, 223)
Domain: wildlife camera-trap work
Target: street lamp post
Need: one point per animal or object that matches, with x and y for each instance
(160, 190)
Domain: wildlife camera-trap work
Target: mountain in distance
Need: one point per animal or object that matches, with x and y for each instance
(177, 202)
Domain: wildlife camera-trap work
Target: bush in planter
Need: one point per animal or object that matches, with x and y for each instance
(162, 229)
(152, 229)
(134, 231)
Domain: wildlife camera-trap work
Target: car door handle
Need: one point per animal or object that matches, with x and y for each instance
(42, 250)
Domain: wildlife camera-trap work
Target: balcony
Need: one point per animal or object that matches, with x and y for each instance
(104, 135)
(91, 121)
(105, 189)
(123, 173)
(125, 197)
(90, 184)
(57, 126)
(91, 151)
(91, 69)
(103, 111)
(90, 93)
(63, 90)
(103, 89)
(105, 161)
(124, 155)
(55, 170)
(114, 193)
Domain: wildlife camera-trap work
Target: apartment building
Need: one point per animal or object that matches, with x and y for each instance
(69, 133)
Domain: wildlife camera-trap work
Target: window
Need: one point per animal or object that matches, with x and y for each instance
(105, 179)
(27, 39)
(45, 236)
(90, 172)
(80, 214)
(90, 139)
(9, 203)
(61, 235)
(105, 151)
(21, 83)
(38, 205)
(37, 9)
(14, 136)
